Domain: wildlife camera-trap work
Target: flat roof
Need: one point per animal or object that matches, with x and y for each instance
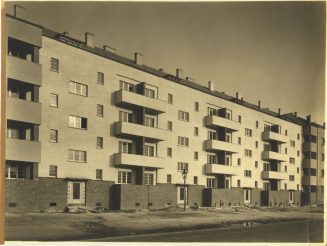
(123, 60)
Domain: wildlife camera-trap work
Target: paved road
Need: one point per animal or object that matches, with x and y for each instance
(295, 231)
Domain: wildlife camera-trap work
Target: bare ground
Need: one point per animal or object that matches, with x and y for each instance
(65, 226)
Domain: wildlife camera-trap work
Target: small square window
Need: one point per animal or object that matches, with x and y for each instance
(196, 131)
(98, 174)
(196, 155)
(169, 178)
(100, 78)
(53, 136)
(53, 171)
(256, 184)
(99, 110)
(170, 98)
(257, 124)
(240, 119)
(239, 140)
(238, 183)
(196, 106)
(195, 180)
(53, 100)
(170, 126)
(100, 142)
(256, 144)
(169, 152)
(54, 66)
(256, 164)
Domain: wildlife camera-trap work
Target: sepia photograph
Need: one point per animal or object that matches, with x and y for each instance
(172, 122)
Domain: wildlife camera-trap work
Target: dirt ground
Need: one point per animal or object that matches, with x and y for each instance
(65, 226)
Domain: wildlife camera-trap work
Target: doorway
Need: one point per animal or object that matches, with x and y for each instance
(247, 196)
(181, 194)
(76, 192)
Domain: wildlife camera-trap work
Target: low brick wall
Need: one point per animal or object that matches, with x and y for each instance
(35, 195)
(131, 197)
(275, 198)
(256, 197)
(97, 193)
(195, 194)
(312, 198)
(297, 197)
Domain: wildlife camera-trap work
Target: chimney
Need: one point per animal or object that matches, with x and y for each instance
(309, 118)
(259, 104)
(211, 86)
(19, 11)
(295, 114)
(108, 48)
(161, 69)
(242, 99)
(65, 33)
(138, 57)
(190, 79)
(179, 73)
(236, 95)
(89, 39)
(279, 110)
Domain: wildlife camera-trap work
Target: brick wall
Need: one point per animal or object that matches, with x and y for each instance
(195, 193)
(35, 195)
(297, 197)
(256, 197)
(276, 198)
(98, 192)
(226, 197)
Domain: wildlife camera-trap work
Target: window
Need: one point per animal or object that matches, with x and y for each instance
(266, 147)
(124, 177)
(125, 147)
(100, 142)
(212, 135)
(248, 152)
(125, 116)
(169, 178)
(196, 106)
(285, 132)
(285, 186)
(53, 136)
(322, 173)
(257, 124)
(266, 167)
(285, 168)
(196, 155)
(211, 159)
(266, 128)
(256, 164)
(170, 98)
(292, 143)
(182, 115)
(170, 126)
(195, 180)
(77, 122)
(77, 155)
(100, 78)
(322, 156)
(248, 132)
(291, 177)
(148, 150)
(285, 150)
(313, 155)
(297, 187)
(53, 171)
(298, 153)
(123, 85)
(149, 93)
(181, 166)
(256, 144)
(298, 136)
(298, 170)
(247, 173)
(238, 183)
(292, 160)
(149, 121)
(322, 141)
(239, 140)
(256, 184)
(54, 65)
(212, 111)
(77, 88)
(196, 131)
(99, 110)
(98, 174)
(182, 141)
(210, 182)
(53, 100)
(239, 161)
(148, 178)
(266, 186)
(240, 119)
(169, 152)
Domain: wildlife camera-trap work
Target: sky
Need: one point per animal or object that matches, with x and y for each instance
(268, 51)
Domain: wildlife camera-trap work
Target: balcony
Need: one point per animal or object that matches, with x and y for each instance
(215, 145)
(122, 159)
(309, 180)
(131, 100)
(309, 130)
(271, 155)
(22, 110)
(309, 163)
(221, 169)
(274, 175)
(127, 129)
(309, 146)
(214, 121)
(23, 150)
(24, 70)
(273, 136)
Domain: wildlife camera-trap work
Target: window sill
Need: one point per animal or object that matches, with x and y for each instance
(85, 129)
(99, 147)
(77, 94)
(99, 115)
(53, 70)
(77, 161)
(53, 141)
(53, 106)
(100, 83)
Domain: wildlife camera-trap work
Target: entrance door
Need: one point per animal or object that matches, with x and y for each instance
(247, 196)
(181, 194)
(76, 192)
(291, 196)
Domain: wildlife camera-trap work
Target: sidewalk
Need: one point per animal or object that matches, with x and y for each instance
(65, 227)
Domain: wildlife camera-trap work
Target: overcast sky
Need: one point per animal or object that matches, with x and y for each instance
(268, 51)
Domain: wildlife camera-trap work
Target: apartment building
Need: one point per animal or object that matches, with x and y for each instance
(86, 126)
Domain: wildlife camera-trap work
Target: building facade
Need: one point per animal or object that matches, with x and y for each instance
(86, 126)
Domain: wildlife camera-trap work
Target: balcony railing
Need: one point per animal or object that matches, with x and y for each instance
(215, 145)
(131, 100)
(309, 180)
(123, 159)
(274, 136)
(214, 121)
(309, 163)
(23, 110)
(309, 146)
(271, 155)
(127, 129)
(23, 150)
(274, 175)
(221, 169)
